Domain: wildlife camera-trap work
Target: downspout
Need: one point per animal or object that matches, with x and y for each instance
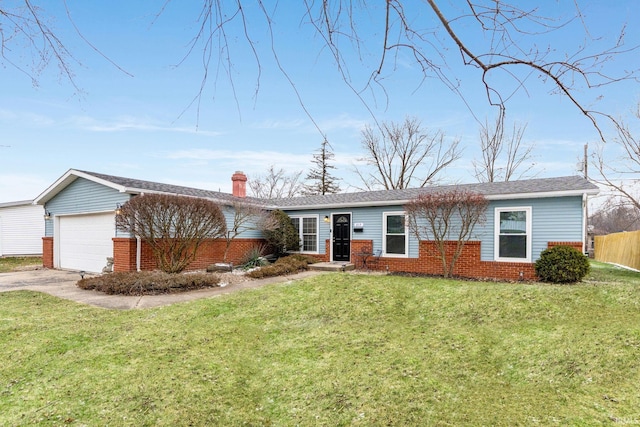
(585, 221)
(138, 252)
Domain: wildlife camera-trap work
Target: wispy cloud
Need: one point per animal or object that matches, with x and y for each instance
(340, 122)
(27, 118)
(280, 124)
(131, 123)
(343, 121)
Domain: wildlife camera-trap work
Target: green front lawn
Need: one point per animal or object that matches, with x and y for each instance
(12, 263)
(338, 349)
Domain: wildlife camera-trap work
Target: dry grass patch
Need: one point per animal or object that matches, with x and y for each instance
(8, 264)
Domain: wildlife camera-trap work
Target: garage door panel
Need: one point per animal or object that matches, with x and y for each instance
(85, 241)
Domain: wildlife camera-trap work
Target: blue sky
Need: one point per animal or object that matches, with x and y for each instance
(141, 125)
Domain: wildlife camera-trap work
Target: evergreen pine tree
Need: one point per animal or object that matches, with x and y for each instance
(321, 180)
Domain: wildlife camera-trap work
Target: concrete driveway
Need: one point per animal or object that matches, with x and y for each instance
(62, 284)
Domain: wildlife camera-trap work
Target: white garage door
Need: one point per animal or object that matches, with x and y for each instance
(85, 241)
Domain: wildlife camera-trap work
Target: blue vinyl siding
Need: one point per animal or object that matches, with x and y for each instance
(370, 217)
(553, 219)
(83, 196)
(246, 234)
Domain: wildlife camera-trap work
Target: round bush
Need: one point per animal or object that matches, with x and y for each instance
(562, 264)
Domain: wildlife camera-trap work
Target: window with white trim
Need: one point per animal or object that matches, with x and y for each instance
(394, 239)
(513, 234)
(307, 227)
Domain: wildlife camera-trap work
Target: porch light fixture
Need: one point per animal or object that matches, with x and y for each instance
(47, 215)
(326, 218)
(118, 208)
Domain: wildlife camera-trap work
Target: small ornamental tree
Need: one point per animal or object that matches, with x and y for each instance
(281, 234)
(246, 217)
(446, 217)
(173, 226)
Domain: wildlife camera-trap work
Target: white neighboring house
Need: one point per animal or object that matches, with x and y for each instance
(21, 228)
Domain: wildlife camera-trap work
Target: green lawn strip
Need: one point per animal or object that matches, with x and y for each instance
(11, 263)
(337, 349)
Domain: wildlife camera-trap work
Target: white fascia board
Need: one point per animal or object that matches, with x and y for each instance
(66, 179)
(566, 193)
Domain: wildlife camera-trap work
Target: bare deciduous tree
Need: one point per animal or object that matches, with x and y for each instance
(446, 218)
(503, 156)
(173, 226)
(404, 155)
(620, 173)
(614, 217)
(276, 184)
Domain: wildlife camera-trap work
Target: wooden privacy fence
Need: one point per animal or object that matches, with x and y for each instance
(619, 248)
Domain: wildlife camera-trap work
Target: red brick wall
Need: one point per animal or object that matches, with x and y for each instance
(577, 245)
(124, 254)
(209, 252)
(47, 252)
(468, 265)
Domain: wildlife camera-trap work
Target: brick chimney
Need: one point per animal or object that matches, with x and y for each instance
(239, 180)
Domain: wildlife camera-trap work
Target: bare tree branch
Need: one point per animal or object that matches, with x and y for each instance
(503, 155)
(276, 184)
(621, 173)
(404, 155)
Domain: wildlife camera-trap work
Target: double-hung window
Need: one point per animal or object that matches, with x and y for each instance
(513, 234)
(307, 227)
(394, 242)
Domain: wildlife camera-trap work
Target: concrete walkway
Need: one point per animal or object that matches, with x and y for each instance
(62, 284)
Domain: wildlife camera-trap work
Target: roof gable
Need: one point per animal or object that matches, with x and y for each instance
(132, 186)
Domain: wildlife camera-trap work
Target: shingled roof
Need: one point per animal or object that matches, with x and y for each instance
(531, 188)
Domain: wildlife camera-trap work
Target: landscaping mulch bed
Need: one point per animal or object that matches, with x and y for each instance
(157, 283)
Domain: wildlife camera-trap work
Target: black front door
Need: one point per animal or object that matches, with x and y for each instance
(341, 237)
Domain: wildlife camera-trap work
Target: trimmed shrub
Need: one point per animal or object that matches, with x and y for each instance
(562, 264)
(283, 266)
(148, 283)
(282, 235)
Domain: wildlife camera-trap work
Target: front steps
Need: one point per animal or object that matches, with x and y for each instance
(332, 266)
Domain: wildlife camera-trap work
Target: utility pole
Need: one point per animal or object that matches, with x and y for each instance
(586, 161)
